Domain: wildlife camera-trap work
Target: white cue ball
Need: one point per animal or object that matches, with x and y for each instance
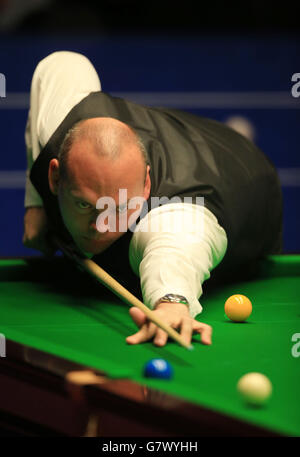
(255, 388)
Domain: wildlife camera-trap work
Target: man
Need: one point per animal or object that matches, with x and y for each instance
(91, 155)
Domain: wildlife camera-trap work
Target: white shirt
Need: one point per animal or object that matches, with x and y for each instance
(167, 260)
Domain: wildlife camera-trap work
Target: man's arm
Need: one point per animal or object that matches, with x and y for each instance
(36, 229)
(57, 85)
(35, 218)
(177, 263)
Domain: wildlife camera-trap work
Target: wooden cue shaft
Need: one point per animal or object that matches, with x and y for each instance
(101, 275)
(108, 281)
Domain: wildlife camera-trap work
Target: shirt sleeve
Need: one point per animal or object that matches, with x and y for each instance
(32, 197)
(173, 250)
(60, 81)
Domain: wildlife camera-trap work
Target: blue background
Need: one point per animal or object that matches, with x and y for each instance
(137, 65)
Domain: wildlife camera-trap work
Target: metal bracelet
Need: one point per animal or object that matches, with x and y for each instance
(173, 298)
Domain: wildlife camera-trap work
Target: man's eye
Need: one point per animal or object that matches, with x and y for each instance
(83, 205)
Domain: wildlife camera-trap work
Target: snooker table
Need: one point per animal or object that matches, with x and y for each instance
(57, 321)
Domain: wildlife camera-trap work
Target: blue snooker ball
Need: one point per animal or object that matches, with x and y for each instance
(158, 368)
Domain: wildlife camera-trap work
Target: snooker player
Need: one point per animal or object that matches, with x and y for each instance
(84, 145)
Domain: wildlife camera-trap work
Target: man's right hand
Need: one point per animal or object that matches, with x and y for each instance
(35, 230)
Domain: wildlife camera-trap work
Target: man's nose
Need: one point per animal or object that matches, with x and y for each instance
(94, 223)
(93, 226)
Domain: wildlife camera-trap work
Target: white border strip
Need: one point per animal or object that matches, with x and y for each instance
(196, 100)
(185, 100)
(12, 179)
(289, 177)
(15, 179)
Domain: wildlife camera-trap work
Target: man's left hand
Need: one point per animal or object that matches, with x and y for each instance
(176, 315)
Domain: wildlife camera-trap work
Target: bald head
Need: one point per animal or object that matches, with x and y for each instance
(99, 158)
(108, 137)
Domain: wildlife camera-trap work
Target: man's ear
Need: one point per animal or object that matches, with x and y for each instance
(147, 187)
(53, 176)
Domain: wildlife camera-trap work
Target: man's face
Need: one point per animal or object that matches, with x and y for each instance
(90, 177)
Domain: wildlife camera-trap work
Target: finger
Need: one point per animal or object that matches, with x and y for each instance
(138, 317)
(144, 334)
(161, 337)
(187, 329)
(39, 244)
(26, 241)
(205, 332)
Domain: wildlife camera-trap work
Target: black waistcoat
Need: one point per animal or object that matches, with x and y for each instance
(189, 156)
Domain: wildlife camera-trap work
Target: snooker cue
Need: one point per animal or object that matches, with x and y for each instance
(114, 286)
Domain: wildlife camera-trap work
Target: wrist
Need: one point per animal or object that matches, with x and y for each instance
(172, 308)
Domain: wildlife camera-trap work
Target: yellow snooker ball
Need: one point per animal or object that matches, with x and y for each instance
(254, 388)
(238, 308)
